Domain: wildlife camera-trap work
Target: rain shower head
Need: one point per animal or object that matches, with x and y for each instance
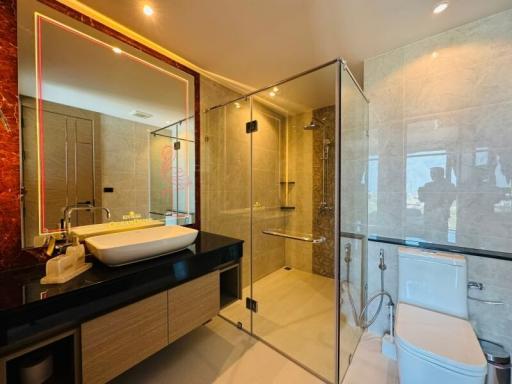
(314, 124)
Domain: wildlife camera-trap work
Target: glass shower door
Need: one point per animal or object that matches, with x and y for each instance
(293, 171)
(226, 200)
(285, 170)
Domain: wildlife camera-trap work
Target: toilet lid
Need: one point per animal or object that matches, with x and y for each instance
(445, 340)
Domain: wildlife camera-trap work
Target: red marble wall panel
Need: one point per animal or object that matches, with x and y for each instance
(10, 230)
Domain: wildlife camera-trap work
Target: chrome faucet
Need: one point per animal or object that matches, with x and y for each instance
(79, 207)
(66, 213)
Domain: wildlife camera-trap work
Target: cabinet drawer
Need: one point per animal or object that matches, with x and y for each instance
(115, 342)
(192, 304)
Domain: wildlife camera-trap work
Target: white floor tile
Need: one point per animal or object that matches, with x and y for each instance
(369, 365)
(217, 353)
(296, 316)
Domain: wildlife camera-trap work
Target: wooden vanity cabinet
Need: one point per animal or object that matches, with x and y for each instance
(117, 341)
(192, 304)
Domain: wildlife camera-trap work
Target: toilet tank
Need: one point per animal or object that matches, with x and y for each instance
(433, 280)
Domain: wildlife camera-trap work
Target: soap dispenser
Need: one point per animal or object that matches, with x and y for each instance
(61, 269)
(76, 251)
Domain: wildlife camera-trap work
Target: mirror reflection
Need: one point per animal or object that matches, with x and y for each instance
(108, 131)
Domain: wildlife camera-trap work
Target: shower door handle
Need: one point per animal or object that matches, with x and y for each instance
(301, 237)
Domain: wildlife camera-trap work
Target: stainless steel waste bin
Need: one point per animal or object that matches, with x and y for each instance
(498, 363)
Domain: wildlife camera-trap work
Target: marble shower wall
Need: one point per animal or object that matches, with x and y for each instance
(323, 219)
(440, 142)
(297, 168)
(440, 164)
(353, 182)
(226, 177)
(10, 225)
(268, 251)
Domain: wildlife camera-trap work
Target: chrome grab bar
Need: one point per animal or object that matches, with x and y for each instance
(490, 302)
(480, 287)
(301, 237)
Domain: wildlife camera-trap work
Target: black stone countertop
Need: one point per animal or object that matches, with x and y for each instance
(29, 309)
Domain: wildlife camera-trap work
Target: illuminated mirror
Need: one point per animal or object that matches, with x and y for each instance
(106, 128)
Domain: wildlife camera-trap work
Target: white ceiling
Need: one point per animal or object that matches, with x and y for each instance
(257, 42)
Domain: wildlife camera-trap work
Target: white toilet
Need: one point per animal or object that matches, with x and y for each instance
(435, 342)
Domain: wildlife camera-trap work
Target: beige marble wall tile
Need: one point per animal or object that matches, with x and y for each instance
(226, 178)
(444, 102)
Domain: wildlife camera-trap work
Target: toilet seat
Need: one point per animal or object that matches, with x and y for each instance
(440, 339)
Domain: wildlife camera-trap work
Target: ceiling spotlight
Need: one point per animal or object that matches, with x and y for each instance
(237, 105)
(272, 93)
(275, 89)
(117, 50)
(148, 11)
(441, 7)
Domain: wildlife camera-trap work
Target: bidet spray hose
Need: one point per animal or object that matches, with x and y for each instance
(359, 319)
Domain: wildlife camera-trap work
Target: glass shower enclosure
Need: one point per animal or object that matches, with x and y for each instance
(285, 169)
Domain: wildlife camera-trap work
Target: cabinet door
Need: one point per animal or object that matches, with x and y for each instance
(115, 342)
(192, 304)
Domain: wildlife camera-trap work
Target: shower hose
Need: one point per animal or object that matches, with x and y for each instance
(360, 319)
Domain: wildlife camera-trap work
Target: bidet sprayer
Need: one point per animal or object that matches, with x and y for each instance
(348, 249)
(382, 264)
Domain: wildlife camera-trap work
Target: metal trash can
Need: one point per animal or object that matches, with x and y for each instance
(498, 363)
(36, 367)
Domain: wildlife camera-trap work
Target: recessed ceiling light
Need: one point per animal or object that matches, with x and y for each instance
(148, 11)
(275, 89)
(237, 105)
(441, 7)
(272, 93)
(117, 50)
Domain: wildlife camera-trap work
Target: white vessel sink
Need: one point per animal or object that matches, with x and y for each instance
(117, 249)
(86, 231)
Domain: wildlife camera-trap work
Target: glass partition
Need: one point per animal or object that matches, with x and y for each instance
(285, 170)
(353, 215)
(172, 167)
